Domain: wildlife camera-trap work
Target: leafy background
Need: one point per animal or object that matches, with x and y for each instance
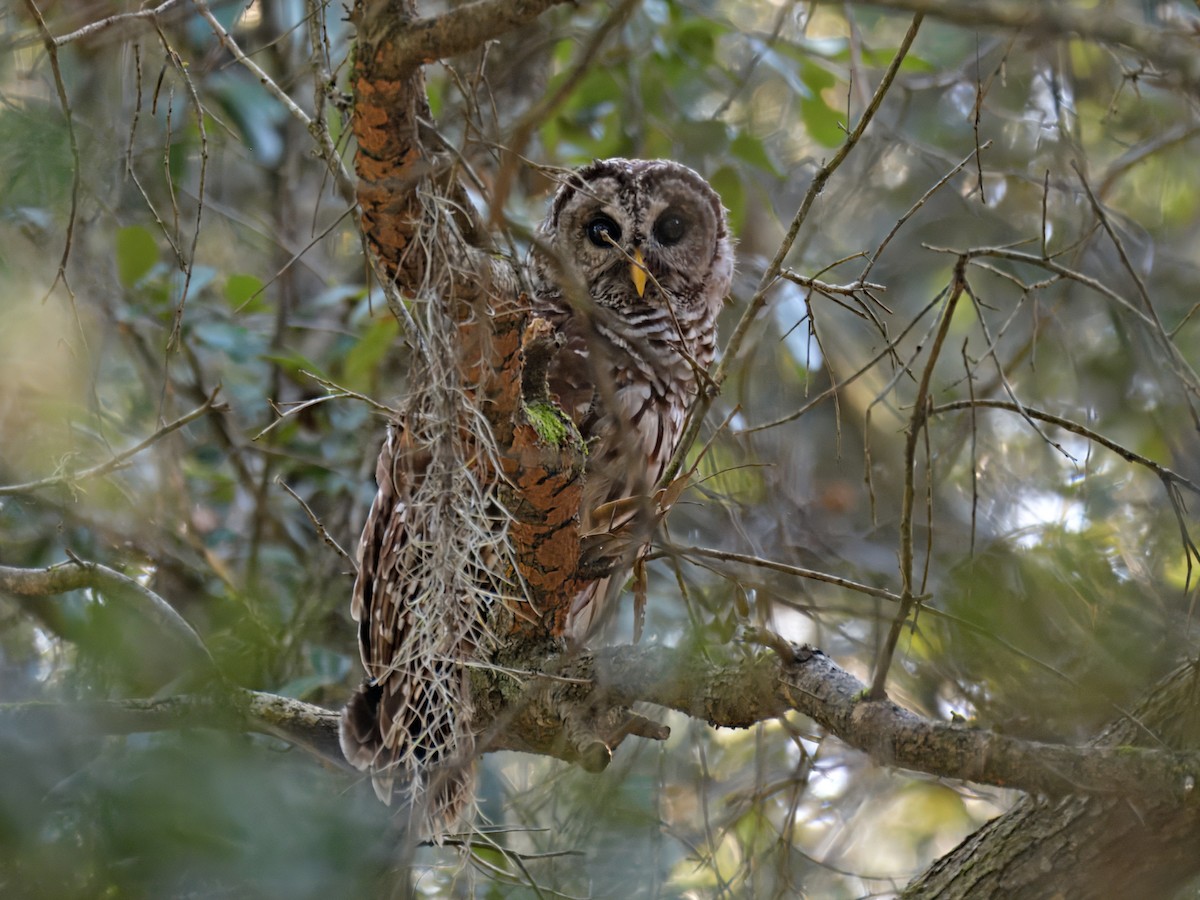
(1058, 582)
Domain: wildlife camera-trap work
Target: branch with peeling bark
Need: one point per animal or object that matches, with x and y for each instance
(536, 708)
(533, 711)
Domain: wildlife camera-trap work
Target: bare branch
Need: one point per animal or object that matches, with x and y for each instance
(853, 289)
(1174, 52)
(799, 572)
(316, 127)
(1168, 476)
(762, 687)
(77, 574)
(771, 275)
(422, 40)
(540, 112)
(317, 524)
(921, 201)
(916, 427)
(69, 121)
(732, 694)
(1187, 375)
(209, 405)
(108, 21)
(832, 391)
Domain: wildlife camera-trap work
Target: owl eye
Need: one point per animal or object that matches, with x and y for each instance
(603, 231)
(670, 228)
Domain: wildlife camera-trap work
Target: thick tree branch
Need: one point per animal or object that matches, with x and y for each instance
(747, 691)
(78, 574)
(1137, 845)
(733, 694)
(460, 30)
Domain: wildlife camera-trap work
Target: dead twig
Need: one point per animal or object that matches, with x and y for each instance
(73, 477)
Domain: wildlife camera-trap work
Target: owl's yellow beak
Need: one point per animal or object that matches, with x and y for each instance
(637, 271)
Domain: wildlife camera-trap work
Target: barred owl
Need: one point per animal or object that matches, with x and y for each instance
(631, 266)
(646, 244)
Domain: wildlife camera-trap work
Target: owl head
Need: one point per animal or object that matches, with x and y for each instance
(642, 237)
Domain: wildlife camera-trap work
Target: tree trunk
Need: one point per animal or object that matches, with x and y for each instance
(1085, 847)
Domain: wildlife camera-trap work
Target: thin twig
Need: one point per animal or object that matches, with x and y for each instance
(202, 131)
(832, 390)
(108, 21)
(853, 289)
(209, 405)
(1180, 365)
(345, 181)
(911, 211)
(916, 426)
(1167, 475)
(77, 166)
(1049, 265)
(1172, 51)
(812, 574)
(317, 524)
(771, 275)
(541, 111)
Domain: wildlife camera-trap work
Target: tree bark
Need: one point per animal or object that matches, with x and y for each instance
(427, 243)
(1133, 845)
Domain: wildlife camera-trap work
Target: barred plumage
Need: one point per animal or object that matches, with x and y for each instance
(633, 262)
(635, 340)
(407, 724)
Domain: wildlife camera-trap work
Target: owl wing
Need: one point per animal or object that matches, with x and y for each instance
(408, 715)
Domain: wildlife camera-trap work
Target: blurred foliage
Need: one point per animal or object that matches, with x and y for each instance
(1059, 585)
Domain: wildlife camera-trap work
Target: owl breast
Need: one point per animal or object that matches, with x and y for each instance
(635, 265)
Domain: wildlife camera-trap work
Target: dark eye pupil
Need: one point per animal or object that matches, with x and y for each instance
(669, 228)
(601, 229)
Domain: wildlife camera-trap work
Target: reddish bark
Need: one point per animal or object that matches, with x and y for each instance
(397, 177)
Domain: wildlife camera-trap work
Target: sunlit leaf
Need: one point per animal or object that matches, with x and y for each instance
(750, 149)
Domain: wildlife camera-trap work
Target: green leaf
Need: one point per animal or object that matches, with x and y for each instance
(364, 357)
(137, 252)
(728, 183)
(823, 123)
(244, 293)
(697, 38)
(750, 149)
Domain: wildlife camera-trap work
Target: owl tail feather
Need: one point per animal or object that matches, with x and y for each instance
(358, 731)
(433, 799)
